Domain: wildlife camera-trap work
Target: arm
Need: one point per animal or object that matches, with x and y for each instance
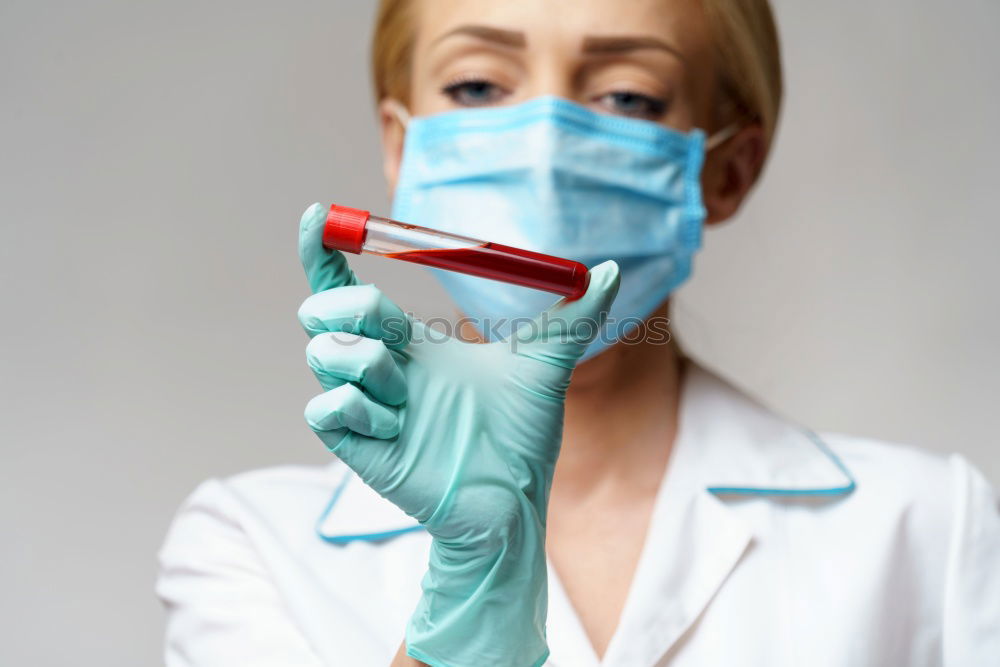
(972, 593)
(222, 607)
(461, 437)
(403, 660)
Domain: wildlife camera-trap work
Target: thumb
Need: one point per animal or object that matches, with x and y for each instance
(325, 269)
(560, 335)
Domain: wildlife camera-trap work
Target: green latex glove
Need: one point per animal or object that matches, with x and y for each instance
(462, 437)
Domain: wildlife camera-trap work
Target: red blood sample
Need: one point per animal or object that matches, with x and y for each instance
(510, 265)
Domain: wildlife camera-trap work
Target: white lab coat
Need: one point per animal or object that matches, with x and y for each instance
(768, 545)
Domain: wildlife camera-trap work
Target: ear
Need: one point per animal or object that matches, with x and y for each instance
(393, 131)
(730, 171)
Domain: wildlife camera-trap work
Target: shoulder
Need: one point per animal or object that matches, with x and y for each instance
(287, 490)
(224, 514)
(932, 490)
(898, 467)
(286, 509)
(892, 466)
(278, 490)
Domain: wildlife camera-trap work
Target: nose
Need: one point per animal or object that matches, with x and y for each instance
(552, 73)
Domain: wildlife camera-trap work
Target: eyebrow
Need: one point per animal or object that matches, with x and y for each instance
(511, 38)
(612, 45)
(592, 44)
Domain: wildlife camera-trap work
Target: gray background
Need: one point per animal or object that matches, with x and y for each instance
(155, 157)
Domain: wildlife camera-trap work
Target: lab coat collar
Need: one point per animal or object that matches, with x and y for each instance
(727, 442)
(356, 512)
(739, 447)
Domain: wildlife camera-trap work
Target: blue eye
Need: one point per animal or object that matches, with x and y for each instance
(473, 93)
(628, 103)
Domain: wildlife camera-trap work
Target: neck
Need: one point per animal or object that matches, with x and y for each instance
(621, 417)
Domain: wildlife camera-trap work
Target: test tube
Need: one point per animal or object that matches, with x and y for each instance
(357, 231)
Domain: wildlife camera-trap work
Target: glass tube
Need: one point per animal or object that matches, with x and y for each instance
(357, 231)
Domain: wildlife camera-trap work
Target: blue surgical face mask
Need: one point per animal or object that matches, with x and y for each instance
(552, 176)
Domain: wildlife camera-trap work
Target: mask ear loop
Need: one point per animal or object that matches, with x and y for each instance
(722, 136)
(397, 109)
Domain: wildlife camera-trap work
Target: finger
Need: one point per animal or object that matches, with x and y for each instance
(336, 358)
(325, 269)
(358, 309)
(561, 334)
(347, 407)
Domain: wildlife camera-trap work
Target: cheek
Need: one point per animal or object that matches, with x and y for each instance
(705, 96)
(681, 115)
(691, 106)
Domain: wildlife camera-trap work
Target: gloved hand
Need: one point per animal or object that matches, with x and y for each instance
(462, 437)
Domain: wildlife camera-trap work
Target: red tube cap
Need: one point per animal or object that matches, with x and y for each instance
(345, 228)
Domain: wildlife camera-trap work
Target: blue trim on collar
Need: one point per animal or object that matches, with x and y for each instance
(717, 490)
(344, 539)
(829, 491)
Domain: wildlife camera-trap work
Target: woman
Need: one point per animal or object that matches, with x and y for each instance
(484, 510)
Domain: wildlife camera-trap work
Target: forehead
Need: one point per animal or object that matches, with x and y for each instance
(680, 22)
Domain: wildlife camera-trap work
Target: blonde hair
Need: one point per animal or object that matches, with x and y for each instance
(743, 32)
